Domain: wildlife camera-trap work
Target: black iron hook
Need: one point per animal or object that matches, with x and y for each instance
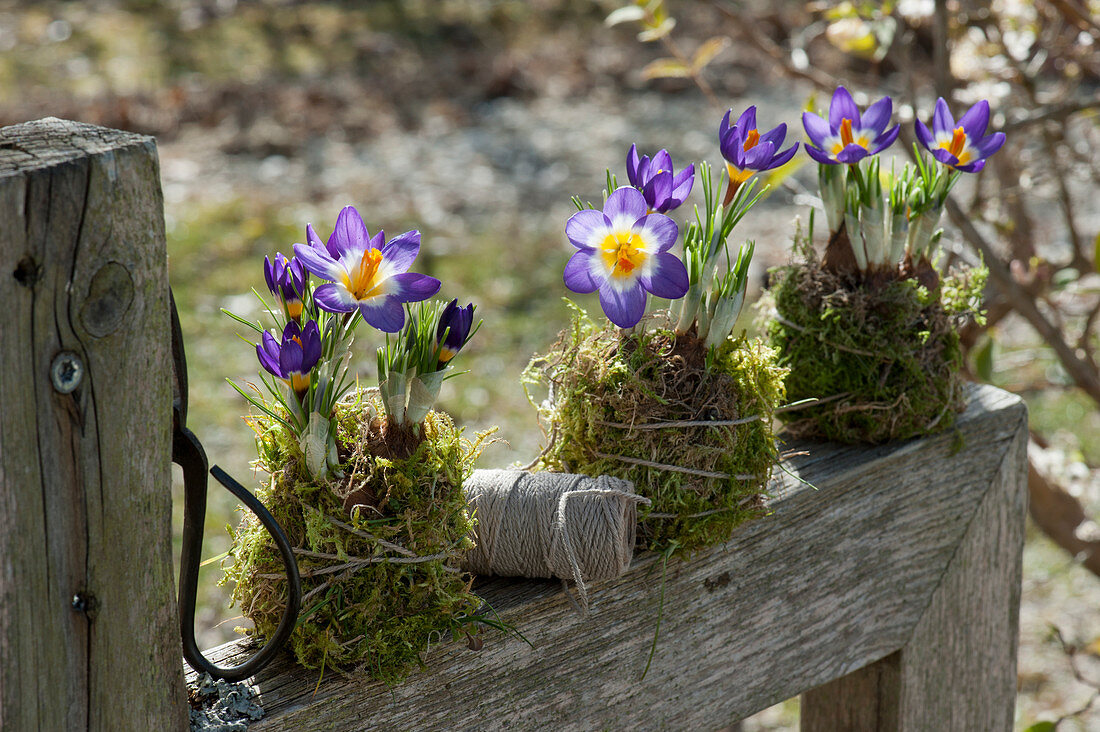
(187, 452)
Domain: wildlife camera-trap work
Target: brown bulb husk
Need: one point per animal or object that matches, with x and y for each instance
(606, 384)
(881, 347)
(404, 490)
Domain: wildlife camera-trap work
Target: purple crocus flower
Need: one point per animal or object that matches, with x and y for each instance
(286, 278)
(848, 136)
(747, 151)
(963, 146)
(453, 330)
(294, 357)
(663, 188)
(366, 273)
(624, 254)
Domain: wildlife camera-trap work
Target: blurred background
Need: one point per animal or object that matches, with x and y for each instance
(475, 120)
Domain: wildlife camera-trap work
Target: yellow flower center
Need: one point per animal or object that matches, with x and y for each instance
(751, 139)
(738, 176)
(847, 137)
(623, 252)
(299, 382)
(956, 146)
(361, 281)
(446, 354)
(294, 309)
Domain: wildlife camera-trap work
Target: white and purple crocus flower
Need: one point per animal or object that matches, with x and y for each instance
(963, 146)
(623, 253)
(746, 151)
(366, 273)
(294, 356)
(663, 188)
(848, 136)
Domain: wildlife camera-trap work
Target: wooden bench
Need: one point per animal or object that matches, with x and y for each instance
(887, 595)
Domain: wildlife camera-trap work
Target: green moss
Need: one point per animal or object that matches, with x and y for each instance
(604, 385)
(887, 354)
(375, 618)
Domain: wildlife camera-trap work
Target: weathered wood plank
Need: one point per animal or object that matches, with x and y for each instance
(85, 501)
(836, 579)
(958, 668)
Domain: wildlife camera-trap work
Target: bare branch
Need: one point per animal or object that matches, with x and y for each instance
(1024, 303)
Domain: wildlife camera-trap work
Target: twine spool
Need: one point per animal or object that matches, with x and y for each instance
(552, 525)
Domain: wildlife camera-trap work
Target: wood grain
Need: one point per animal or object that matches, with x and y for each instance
(85, 482)
(839, 577)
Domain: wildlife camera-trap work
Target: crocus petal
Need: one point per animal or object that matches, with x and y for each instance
(724, 125)
(318, 262)
(632, 165)
(657, 190)
(269, 274)
(747, 120)
(334, 298)
(975, 120)
(877, 115)
(383, 313)
(662, 162)
(730, 143)
(312, 239)
(885, 140)
(350, 237)
(816, 128)
(973, 167)
(942, 121)
(401, 251)
(446, 317)
(292, 330)
(989, 144)
(924, 135)
(783, 158)
(775, 136)
(852, 154)
(623, 207)
(841, 108)
(681, 185)
(580, 276)
(758, 156)
(412, 287)
(587, 228)
(311, 345)
(267, 351)
(668, 277)
(944, 156)
(290, 358)
(623, 306)
(658, 231)
(819, 155)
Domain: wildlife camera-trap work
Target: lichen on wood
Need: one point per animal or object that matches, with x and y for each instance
(691, 429)
(377, 548)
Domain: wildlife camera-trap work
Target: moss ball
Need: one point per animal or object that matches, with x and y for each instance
(377, 548)
(610, 392)
(883, 355)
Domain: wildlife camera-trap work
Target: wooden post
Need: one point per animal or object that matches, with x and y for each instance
(894, 581)
(88, 630)
(957, 670)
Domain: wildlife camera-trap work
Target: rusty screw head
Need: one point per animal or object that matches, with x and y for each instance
(66, 372)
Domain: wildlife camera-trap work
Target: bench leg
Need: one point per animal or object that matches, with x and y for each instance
(958, 669)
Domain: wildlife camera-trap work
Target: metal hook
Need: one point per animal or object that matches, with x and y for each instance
(187, 452)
